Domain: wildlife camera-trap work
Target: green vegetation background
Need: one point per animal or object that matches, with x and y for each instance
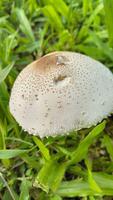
(75, 166)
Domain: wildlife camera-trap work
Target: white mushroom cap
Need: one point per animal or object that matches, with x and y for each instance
(60, 92)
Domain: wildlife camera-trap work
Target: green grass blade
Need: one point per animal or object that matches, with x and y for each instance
(108, 143)
(75, 188)
(6, 195)
(25, 24)
(7, 186)
(3, 133)
(4, 72)
(105, 181)
(10, 43)
(81, 188)
(4, 97)
(18, 140)
(82, 149)
(53, 17)
(7, 154)
(50, 176)
(30, 160)
(55, 197)
(92, 198)
(25, 186)
(85, 7)
(104, 48)
(63, 9)
(43, 149)
(95, 12)
(108, 6)
(60, 169)
(92, 183)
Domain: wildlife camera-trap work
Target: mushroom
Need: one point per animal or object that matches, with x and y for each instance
(61, 92)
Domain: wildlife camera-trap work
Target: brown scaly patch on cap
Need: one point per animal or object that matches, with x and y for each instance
(46, 63)
(49, 62)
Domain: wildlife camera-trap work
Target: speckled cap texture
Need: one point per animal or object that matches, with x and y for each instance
(61, 92)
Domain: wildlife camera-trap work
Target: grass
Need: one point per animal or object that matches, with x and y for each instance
(75, 166)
